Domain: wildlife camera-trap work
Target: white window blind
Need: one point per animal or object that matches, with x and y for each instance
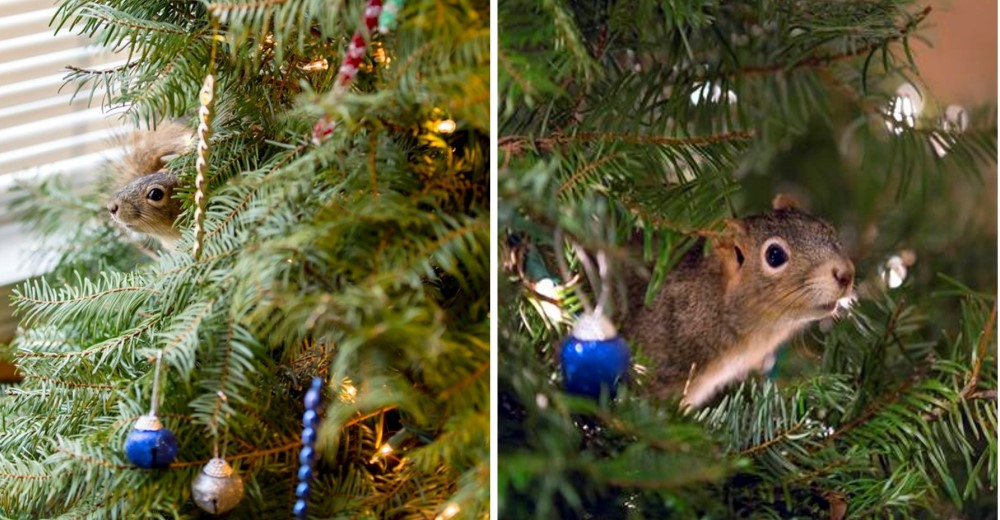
(43, 131)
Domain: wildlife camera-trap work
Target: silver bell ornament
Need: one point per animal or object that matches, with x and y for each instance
(218, 488)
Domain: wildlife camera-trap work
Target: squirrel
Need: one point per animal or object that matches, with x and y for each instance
(722, 315)
(144, 201)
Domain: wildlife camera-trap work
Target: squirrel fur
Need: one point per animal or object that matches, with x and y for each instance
(722, 315)
(144, 201)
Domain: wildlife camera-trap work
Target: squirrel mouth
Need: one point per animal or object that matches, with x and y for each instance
(828, 307)
(835, 306)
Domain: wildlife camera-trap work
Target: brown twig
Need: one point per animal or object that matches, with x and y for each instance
(753, 450)
(984, 340)
(516, 144)
(582, 172)
(823, 61)
(465, 382)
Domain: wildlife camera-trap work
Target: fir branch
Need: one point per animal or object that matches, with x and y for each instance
(217, 7)
(20, 298)
(25, 477)
(587, 169)
(774, 439)
(95, 461)
(73, 384)
(661, 222)
(119, 18)
(464, 382)
(102, 72)
(825, 61)
(518, 144)
(96, 349)
(284, 448)
(984, 339)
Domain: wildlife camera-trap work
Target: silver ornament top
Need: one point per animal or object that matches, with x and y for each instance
(593, 326)
(218, 468)
(149, 423)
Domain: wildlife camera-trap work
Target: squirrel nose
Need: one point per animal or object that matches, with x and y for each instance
(113, 207)
(844, 275)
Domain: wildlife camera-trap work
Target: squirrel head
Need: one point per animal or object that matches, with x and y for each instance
(146, 205)
(784, 266)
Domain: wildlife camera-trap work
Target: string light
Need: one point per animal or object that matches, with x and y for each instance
(348, 392)
(450, 510)
(712, 93)
(547, 287)
(320, 64)
(385, 450)
(893, 273)
(395, 442)
(904, 109)
(445, 126)
(954, 121)
(380, 56)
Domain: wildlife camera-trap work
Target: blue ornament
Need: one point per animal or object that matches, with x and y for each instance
(593, 357)
(149, 445)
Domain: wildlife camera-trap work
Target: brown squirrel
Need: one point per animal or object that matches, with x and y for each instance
(144, 202)
(720, 316)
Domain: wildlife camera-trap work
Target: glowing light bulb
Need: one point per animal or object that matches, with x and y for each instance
(320, 64)
(451, 510)
(445, 126)
(711, 93)
(904, 109)
(893, 273)
(382, 452)
(547, 287)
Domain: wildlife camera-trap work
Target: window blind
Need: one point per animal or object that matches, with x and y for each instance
(44, 131)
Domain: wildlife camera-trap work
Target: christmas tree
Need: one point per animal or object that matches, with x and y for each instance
(629, 132)
(334, 225)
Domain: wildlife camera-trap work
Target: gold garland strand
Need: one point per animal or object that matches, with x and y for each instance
(205, 115)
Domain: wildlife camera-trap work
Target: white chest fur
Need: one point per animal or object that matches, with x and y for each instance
(738, 361)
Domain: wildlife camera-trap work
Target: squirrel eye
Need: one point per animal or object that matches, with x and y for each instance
(155, 194)
(775, 256)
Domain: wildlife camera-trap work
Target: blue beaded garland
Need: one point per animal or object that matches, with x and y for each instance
(307, 457)
(151, 448)
(593, 357)
(312, 399)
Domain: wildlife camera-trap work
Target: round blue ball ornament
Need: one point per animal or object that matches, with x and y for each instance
(149, 445)
(593, 357)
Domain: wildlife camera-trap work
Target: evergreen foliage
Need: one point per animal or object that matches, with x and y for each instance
(633, 128)
(362, 259)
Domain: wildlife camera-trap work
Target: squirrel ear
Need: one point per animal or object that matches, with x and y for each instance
(784, 201)
(729, 247)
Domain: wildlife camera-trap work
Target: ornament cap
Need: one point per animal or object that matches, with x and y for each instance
(150, 423)
(218, 468)
(594, 326)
